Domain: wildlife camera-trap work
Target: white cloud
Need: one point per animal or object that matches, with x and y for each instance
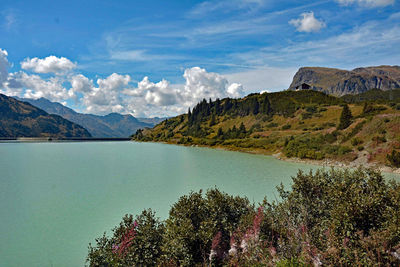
(37, 87)
(163, 99)
(80, 83)
(307, 23)
(159, 94)
(50, 64)
(235, 90)
(114, 93)
(202, 84)
(3, 66)
(367, 3)
(107, 96)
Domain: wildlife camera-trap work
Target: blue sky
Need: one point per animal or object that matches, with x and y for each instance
(103, 50)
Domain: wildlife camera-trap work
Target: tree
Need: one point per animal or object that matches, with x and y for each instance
(220, 133)
(212, 120)
(345, 118)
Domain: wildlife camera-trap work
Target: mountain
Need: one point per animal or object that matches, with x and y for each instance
(21, 119)
(111, 125)
(153, 121)
(341, 82)
(358, 129)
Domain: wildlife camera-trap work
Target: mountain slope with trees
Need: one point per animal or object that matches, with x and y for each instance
(21, 119)
(304, 124)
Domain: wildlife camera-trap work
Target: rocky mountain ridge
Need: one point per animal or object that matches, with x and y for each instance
(341, 82)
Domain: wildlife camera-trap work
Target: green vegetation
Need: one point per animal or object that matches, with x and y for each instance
(345, 118)
(303, 124)
(394, 158)
(329, 218)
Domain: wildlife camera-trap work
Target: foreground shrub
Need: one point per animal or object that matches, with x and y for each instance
(135, 242)
(196, 222)
(330, 218)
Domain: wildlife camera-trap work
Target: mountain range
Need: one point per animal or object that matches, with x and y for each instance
(341, 82)
(111, 125)
(21, 119)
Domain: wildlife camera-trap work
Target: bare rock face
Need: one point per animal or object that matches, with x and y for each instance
(341, 82)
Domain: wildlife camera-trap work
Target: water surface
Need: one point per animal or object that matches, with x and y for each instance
(57, 197)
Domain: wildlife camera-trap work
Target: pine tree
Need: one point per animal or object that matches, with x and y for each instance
(220, 133)
(212, 121)
(345, 118)
(266, 105)
(242, 129)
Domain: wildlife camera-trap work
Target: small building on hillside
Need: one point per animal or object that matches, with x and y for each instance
(303, 86)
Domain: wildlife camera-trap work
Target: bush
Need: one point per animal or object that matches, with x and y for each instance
(394, 158)
(134, 243)
(356, 141)
(195, 220)
(329, 218)
(272, 125)
(286, 127)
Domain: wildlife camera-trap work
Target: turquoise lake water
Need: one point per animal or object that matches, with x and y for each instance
(57, 197)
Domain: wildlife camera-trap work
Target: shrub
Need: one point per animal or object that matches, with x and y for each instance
(135, 242)
(356, 141)
(195, 220)
(394, 158)
(272, 125)
(286, 127)
(328, 217)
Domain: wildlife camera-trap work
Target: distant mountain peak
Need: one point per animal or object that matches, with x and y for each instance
(111, 125)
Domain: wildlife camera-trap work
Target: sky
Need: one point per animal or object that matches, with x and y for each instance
(158, 58)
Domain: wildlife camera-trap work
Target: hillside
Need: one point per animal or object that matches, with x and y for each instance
(341, 82)
(111, 125)
(21, 119)
(293, 124)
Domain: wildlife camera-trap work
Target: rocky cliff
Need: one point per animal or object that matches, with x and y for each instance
(341, 82)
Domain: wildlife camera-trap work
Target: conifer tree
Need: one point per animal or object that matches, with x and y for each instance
(345, 118)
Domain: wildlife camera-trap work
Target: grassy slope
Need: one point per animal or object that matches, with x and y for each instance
(312, 127)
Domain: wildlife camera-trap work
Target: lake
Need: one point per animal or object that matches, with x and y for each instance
(58, 197)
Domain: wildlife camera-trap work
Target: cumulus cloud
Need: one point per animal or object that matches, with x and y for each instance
(235, 90)
(307, 23)
(115, 92)
(107, 96)
(202, 84)
(367, 3)
(37, 87)
(50, 64)
(173, 99)
(80, 83)
(159, 94)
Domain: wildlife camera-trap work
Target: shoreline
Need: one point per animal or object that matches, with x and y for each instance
(279, 156)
